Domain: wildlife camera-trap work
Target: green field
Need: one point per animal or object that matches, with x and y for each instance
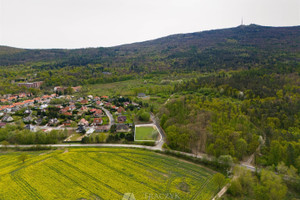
(101, 173)
(145, 133)
(120, 88)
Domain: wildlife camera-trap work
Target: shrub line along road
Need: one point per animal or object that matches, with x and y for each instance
(158, 146)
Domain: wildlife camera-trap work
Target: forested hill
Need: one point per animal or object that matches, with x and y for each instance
(242, 46)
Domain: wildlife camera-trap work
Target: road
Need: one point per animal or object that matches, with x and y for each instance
(154, 148)
(109, 115)
(168, 99)
(222, 192)
(250, 167)
(162, 140)
(89, 145)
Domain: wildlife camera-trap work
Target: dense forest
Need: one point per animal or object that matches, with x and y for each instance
(234, 115)
(246, 114)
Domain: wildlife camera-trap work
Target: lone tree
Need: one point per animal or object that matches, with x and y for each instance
(23, 157)
(219, 179)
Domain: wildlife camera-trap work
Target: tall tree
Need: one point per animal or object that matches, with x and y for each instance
(290, 155)
(219, 179)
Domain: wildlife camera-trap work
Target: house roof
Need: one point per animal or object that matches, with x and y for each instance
(84, 101)
(104, 127)
(83, 120)
(93, 110)
(98, 111)
(122, 118)
(83, 108)
(122, 127)
(97, 120)
(68, 113)
(121, 109)
(141, 94)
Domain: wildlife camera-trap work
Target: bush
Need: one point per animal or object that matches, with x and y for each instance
(214, 164)
(86, 140)
(235, 188)
(146, 143)
(129, 137)
(144, 116)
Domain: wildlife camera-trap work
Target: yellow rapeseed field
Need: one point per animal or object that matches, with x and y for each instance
(102, 173)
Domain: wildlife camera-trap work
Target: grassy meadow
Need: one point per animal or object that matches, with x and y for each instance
(120, 88)
(145, 133)
(101, 173)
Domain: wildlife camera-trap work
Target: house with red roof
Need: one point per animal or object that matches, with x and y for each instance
(84, 101)
(97, 121)
(99, 103)
(93, 110)
(67, 114)
(98, 113)
(83, 122)
(120, 110)
(84, 108)
(67, 123)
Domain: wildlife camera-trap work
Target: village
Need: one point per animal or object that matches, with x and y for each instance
(81, 116)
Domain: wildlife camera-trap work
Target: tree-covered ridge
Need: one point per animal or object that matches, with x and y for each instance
(240, 45)
(273, 49)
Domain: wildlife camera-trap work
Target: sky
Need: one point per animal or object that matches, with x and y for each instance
(103, 23)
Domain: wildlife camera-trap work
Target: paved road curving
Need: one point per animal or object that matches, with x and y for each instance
(160, 143)
(109, 115)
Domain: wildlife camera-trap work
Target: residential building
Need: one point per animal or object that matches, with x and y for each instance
(104, 128)
(31, 85)
(122, 128)
(121, 119)
(97, 121)
(83, 122)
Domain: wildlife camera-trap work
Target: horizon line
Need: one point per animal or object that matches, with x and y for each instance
(147, 40)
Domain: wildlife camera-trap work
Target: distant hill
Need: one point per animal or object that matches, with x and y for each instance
(241, 46)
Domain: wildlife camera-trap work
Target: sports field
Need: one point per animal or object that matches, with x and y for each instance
(145, 133)
(101, 173)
